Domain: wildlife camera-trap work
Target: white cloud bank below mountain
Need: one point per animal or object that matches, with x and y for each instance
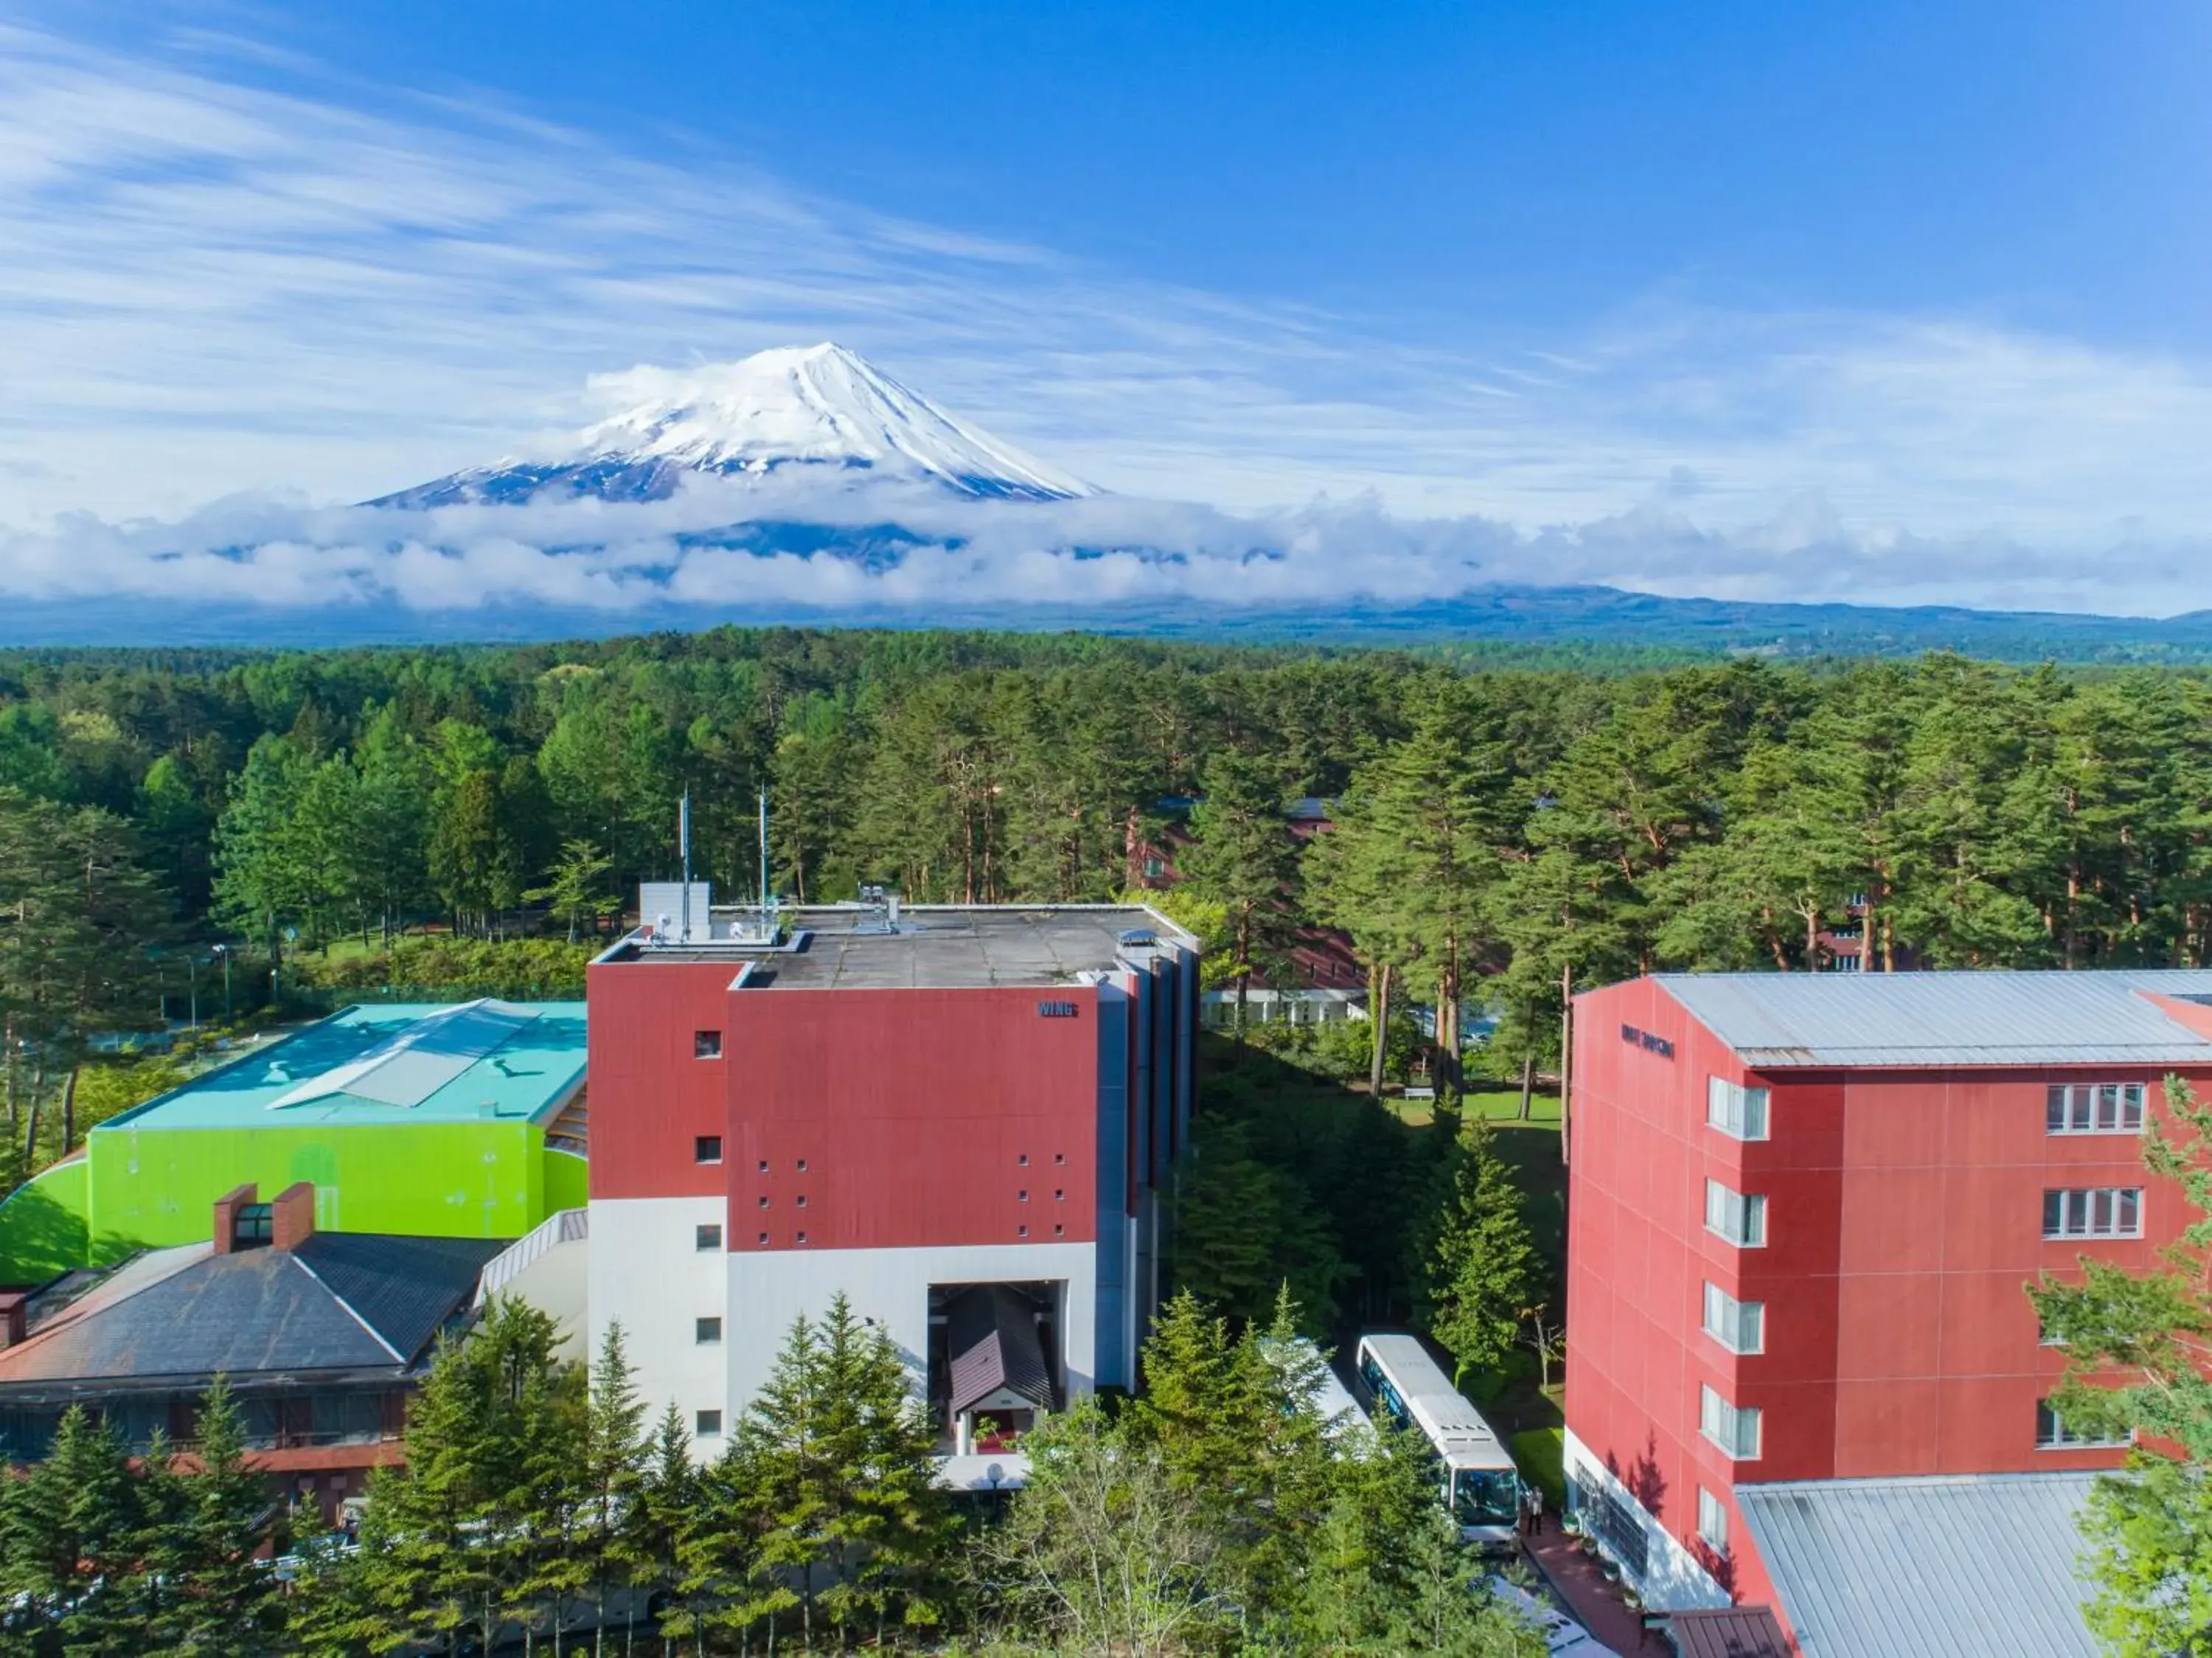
(1095, 555)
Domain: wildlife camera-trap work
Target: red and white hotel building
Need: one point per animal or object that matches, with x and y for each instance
(959, 1117)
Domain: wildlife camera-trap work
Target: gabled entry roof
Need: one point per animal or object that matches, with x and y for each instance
(992, 1333)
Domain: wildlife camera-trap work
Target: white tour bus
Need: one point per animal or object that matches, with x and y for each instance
(1340, 1412)
(1476, 1478)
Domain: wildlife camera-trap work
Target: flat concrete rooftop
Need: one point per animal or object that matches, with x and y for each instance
(935, 946)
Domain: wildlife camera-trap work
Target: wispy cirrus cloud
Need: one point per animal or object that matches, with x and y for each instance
(228, 271)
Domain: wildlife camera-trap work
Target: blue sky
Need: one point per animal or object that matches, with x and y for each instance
(1883, 300)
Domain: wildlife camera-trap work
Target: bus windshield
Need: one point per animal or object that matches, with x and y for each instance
(1485, 1496)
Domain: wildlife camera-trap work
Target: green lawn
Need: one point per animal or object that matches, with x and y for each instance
(1497, 1105)
(1504, 1105)
(1540, 1455)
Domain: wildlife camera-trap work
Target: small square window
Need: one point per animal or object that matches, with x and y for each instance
(1060, 1194)
(1020, 1231)
(763, 1165)
(1059, 1232)
(707, 1237)
(1023, 1196)
(707, 1148)
(763, 1201)
(708, 1331)
(801, 1200)
(1021, 1162)
(705, 1045)
(802, 1165)
(764, 1237)
(802, 1237)
(1059, 1156)
(708, 1425)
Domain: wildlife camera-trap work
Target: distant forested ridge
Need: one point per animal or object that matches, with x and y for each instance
(1507, 828)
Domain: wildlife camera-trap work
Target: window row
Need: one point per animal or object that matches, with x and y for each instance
(2093, 1108)
(2093, 1212)
(1736, 1111)
(1740, 1327)
(1740, 1112)
(1734, 1429)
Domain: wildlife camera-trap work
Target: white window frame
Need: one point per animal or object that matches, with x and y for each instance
(2091, 1108)
(1740, 1327)
(1724, 1424)
(1736, 1111)
(2092, 1211)
(1749, 1210)
(2062, 1440)
(1712, 1522)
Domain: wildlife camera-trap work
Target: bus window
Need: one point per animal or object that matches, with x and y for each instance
(1485, 1496)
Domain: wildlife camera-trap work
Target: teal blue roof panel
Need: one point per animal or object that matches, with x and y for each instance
(406, 1062)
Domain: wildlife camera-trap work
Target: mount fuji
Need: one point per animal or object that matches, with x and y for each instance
(807, 486)
(818, 412)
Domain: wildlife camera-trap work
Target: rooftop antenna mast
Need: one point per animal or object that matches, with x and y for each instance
(683, 843)
(763, 857)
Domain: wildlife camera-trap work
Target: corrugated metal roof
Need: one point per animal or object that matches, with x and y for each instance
(1942, 1566)
(2041, 1018)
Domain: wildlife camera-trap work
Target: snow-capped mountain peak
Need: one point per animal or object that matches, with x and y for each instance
(791, 409)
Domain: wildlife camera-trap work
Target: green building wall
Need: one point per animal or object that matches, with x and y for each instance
(133, 1189)
(42, 1226)
(568, 1180)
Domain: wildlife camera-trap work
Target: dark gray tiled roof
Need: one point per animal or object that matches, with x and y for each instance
(402, 1287)
(235, 1314)
(362, 1301)
(1939, 1566)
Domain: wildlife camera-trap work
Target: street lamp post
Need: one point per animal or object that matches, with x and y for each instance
(223, 950)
